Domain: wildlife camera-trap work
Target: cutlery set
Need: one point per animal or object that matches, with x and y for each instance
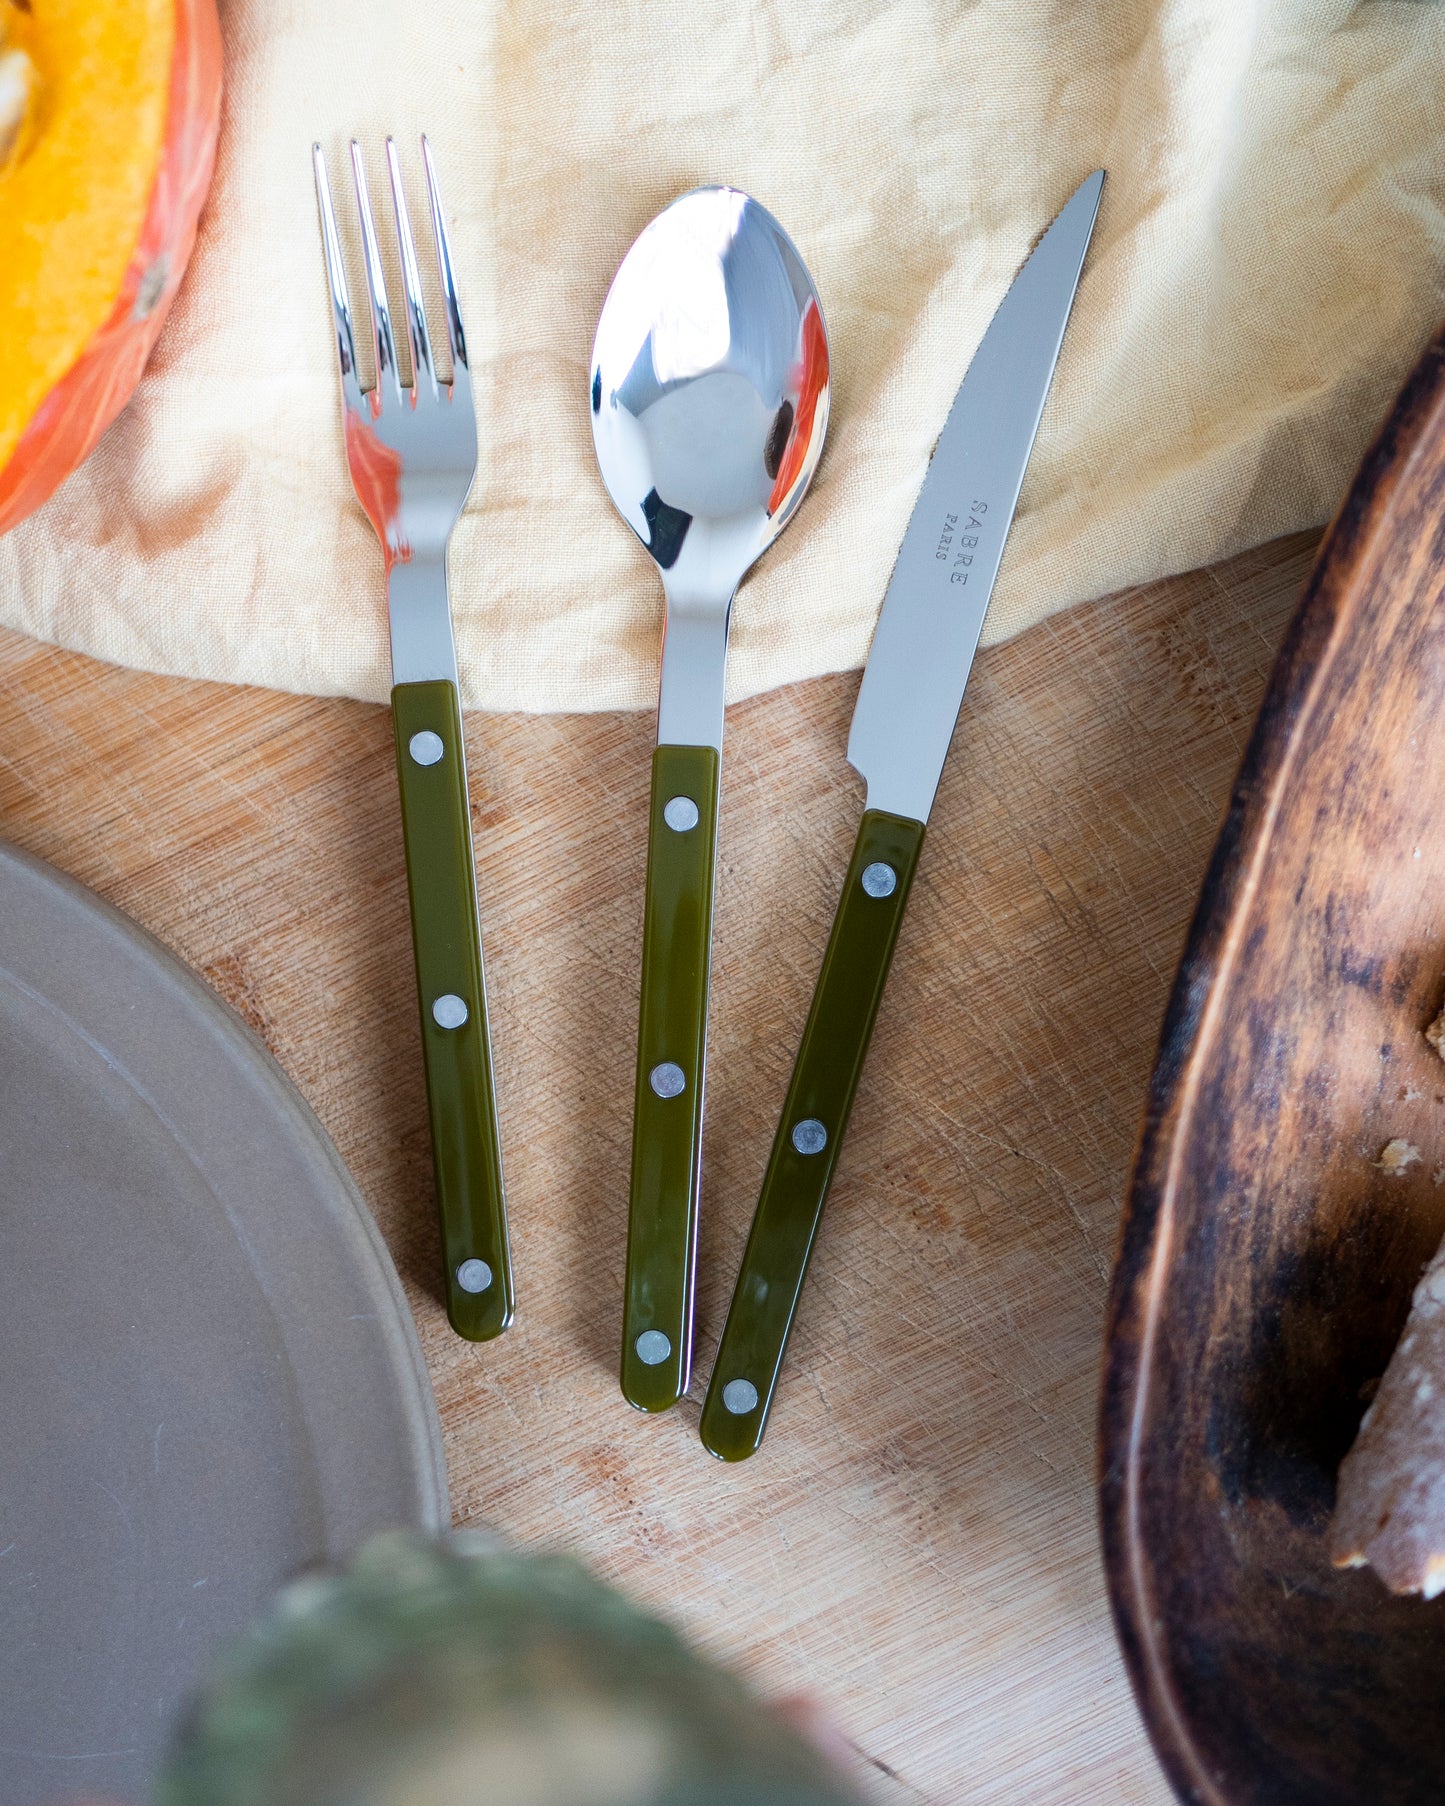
(709, 406)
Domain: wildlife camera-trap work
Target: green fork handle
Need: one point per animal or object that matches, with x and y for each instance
(810, 1135)
(456, 1050)
(657, 1311)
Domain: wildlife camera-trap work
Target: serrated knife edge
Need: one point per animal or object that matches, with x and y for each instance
(933, 610)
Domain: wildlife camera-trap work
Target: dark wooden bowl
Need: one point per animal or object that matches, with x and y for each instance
(1266, 1265)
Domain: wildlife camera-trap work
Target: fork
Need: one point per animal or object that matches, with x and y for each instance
(412, 454)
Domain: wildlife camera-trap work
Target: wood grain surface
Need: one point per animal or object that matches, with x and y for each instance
(915, 1545)
(1268, 1261)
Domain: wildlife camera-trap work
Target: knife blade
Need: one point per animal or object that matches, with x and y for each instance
(908, 702)
(933, 611)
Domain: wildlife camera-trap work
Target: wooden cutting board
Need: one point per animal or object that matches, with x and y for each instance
(915, 1545)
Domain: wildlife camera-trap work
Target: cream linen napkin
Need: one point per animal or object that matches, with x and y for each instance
(1269, 260)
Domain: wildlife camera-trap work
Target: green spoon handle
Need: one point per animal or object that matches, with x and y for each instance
(671, 1061)
(456, 1050)
(810, 1135)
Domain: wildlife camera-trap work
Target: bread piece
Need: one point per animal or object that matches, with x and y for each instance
(1390, 1497)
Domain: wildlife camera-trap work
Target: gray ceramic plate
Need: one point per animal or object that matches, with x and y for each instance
(208, 1374)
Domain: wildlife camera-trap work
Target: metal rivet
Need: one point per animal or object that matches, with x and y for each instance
(474, 1276)
(879, 880)
(426, 747)
(740, 1397)
(809, 1136)
(449, 1011)
(668, 1079)
(653, 1348)
(680, 814)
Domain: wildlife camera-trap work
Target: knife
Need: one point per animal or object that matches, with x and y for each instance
(908, 702)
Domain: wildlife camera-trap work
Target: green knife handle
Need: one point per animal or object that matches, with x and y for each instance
(671, 1060)
(447, 942)
(810, 1135)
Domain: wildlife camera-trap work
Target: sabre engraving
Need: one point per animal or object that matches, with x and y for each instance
(967, 541)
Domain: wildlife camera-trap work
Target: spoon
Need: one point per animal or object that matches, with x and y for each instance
(709, 406)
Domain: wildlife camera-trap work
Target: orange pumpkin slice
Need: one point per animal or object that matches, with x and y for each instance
(108, 117)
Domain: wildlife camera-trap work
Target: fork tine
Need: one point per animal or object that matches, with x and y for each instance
(336, 275)
(411, 279)
(456, 338)
(376, 285)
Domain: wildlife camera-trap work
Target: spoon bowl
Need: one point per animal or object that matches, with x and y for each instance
(710, 388)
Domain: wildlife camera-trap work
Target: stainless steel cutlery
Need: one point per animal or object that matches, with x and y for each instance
(411, 447)
(709, 405)
(709, 395)
(909, 699)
